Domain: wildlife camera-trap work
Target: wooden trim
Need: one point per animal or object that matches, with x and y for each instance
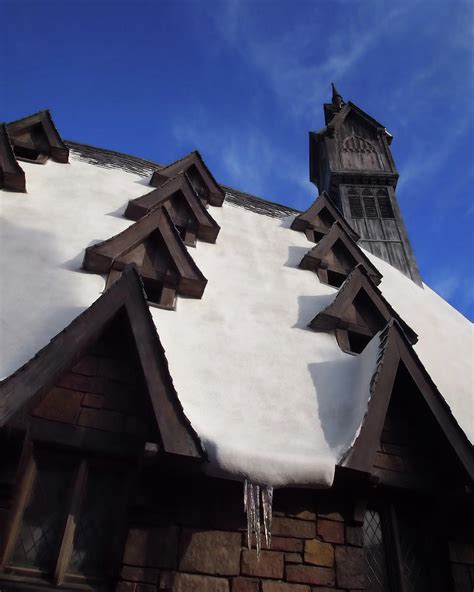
(216, 194)
(394, 351)
(333, 317)
(67, 541)
(317, 258)
(112, 254)
(24, 491)
(12, 176)
(178, 189)
(40, 374)
(309, 219)
(57, 149)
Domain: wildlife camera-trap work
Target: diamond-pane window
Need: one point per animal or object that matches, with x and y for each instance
(43, 518)
(95, 527)
(374, 553)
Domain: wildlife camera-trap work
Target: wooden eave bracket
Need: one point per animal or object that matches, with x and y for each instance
(318, 256)
(39, 375)
(57, 149)
(173, 190)
(12, 176)
(184, 276)
(395, 349)
(215, 195)
(333, 316)
(309, 220)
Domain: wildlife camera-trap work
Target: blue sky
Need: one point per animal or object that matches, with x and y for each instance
(244, 82)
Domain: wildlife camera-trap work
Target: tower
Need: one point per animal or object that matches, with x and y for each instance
(350, 158)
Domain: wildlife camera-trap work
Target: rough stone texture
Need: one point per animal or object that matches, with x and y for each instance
(306, 574)
(245, 585)
(125, 587)
(291, 527)
(191, 583)
(350, 568)
(354, 536)
(139, 574)
(144, 588)
(270, 564)
(284, 587)
(319, 553)
(303, 515)
(211, 552)
(155, 546)
(330, 531)
(293, 558)
(290, 545)
(461, 553)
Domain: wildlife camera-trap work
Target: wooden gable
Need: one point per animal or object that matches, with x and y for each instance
(400, 371)
(200, 177)
(154, 245)
(335, 256)
(318, 219)
(357, 313)
(12, 176)
(186, 210)
(103, 382)
(35, 139)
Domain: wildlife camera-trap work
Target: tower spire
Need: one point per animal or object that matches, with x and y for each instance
(337, 99)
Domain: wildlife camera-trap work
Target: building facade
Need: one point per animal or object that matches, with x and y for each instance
(207, 391)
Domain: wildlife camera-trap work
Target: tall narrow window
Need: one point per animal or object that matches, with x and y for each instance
(374, 553)
(61, 528)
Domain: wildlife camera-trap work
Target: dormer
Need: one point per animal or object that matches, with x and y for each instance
(186, 210)
(12, 176)
(35, 139)
(164, 264)
(335, 256)
(357, 313)
(200, 177)
(318, 219)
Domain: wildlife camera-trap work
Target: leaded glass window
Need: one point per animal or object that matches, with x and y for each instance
(374, 553)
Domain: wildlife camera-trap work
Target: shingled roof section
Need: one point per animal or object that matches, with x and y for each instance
(38, 375)
(395, 349)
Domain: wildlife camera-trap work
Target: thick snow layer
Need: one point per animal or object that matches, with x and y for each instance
(272, 400)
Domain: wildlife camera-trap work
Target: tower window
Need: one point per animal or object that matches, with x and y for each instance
(369, 203)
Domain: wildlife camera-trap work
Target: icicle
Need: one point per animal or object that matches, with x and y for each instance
(267, 501)
(252, 503)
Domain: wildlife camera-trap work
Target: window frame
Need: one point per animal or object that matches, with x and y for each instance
(59, 576)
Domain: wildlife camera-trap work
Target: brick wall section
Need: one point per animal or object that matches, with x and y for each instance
(314, 547)
(103, 391)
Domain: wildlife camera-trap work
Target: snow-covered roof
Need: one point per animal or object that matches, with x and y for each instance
(271, 399)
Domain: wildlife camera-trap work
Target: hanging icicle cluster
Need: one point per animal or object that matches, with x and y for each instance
(254, 497)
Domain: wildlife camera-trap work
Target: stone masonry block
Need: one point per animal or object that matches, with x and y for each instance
(330, 531)
(350, 568)
(192, 583)
(290, 545)
(210, 552)
(284, 587)
(319, 553)
(139, 574)
(290, 527)
(461, 553)
(156, 546)
(305, 574)
(245, 585)
(269, 565)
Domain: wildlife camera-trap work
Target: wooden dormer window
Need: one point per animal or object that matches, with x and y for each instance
(200, 177)
(319, 218)
(60, 529)
(335, 256)
(357, 313)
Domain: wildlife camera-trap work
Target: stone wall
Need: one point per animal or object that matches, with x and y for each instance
(192, 539)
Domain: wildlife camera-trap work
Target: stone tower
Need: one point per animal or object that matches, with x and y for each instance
(350, 158)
